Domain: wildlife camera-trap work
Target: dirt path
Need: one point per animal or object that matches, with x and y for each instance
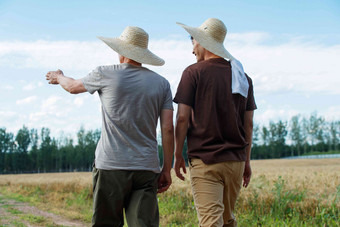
(14, 213)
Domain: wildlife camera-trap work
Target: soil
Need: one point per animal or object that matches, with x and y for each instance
(8, 218)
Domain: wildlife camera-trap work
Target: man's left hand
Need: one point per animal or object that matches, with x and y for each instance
(246, 174)
(164, 181)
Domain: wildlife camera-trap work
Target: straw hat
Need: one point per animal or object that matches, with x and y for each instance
(133, 44)
(210, 35)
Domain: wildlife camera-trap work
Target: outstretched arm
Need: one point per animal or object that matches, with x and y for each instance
(167, 130)
(182, 121)
(69, 84)
(248, 126)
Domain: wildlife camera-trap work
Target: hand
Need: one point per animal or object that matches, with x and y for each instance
(164, 181)
(52, 76)
(246, 174)
(178, 165)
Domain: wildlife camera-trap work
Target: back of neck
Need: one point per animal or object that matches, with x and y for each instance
(130, 61)
(208, 55)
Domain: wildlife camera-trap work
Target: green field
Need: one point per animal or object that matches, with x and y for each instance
(281, 193)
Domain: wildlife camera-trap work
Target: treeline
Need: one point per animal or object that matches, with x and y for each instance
(30, 151)
(33, 151)
(299, 136)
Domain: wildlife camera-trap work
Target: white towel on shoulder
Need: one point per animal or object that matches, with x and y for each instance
(239, 82)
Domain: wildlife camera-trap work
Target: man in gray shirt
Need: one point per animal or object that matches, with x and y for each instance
(126, 173)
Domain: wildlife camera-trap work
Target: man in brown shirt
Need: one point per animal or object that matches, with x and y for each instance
(215, 113)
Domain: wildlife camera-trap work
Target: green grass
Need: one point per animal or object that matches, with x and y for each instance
(286, 208)
(80, 202)
(17, 223)
(266, 205)
(177, 209)
(32, 219)
(13, 211)
(33, 199)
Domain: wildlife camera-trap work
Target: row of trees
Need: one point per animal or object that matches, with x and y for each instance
(297, 137)
(30, 151)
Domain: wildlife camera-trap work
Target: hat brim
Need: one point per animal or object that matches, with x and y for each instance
(207, 42)
(138, 54)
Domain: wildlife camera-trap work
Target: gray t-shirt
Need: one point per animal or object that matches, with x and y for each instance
(132, 99)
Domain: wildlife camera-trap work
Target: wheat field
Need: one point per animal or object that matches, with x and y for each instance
(296, 191)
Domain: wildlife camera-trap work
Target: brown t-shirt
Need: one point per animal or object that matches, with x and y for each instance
(216, 127)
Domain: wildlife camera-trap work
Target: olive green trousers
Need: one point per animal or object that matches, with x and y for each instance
(117, 190)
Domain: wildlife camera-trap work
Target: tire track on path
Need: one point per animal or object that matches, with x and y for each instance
(15, 213)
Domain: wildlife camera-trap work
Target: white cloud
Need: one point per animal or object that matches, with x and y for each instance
(296, 65)
(4, 114)
(37, 116)
(275, 114)
(332, 113)
(7, 87)
(8, 119)
(32, 85)
(177, 55)
(29, 87)
(78, 101)
(27, 100)
(291, 66)
(50, 104)
(69, 55)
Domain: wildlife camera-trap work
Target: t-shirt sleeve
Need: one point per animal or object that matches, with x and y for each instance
(251, 105)
(93, 81)
(186, 89)
(167, 104)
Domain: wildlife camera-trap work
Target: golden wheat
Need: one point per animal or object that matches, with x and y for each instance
(318, 179)
(319, 176)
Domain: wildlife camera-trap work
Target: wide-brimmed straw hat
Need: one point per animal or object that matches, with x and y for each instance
(210, 35)
(133, 44)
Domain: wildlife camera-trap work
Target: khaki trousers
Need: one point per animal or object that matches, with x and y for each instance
(215, 189)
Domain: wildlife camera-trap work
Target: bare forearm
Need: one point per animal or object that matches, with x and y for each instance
(180, 134)
(167, 130)
(249, 140)
(248, 126)
(69, 84)
(168, 148)
(66, 82)
(182, 121)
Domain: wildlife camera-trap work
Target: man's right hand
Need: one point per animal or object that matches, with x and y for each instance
(178, 165)
(164, 181)
(52, 76)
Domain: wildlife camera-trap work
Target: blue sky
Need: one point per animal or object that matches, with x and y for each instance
(80, 20)
(290, 49)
